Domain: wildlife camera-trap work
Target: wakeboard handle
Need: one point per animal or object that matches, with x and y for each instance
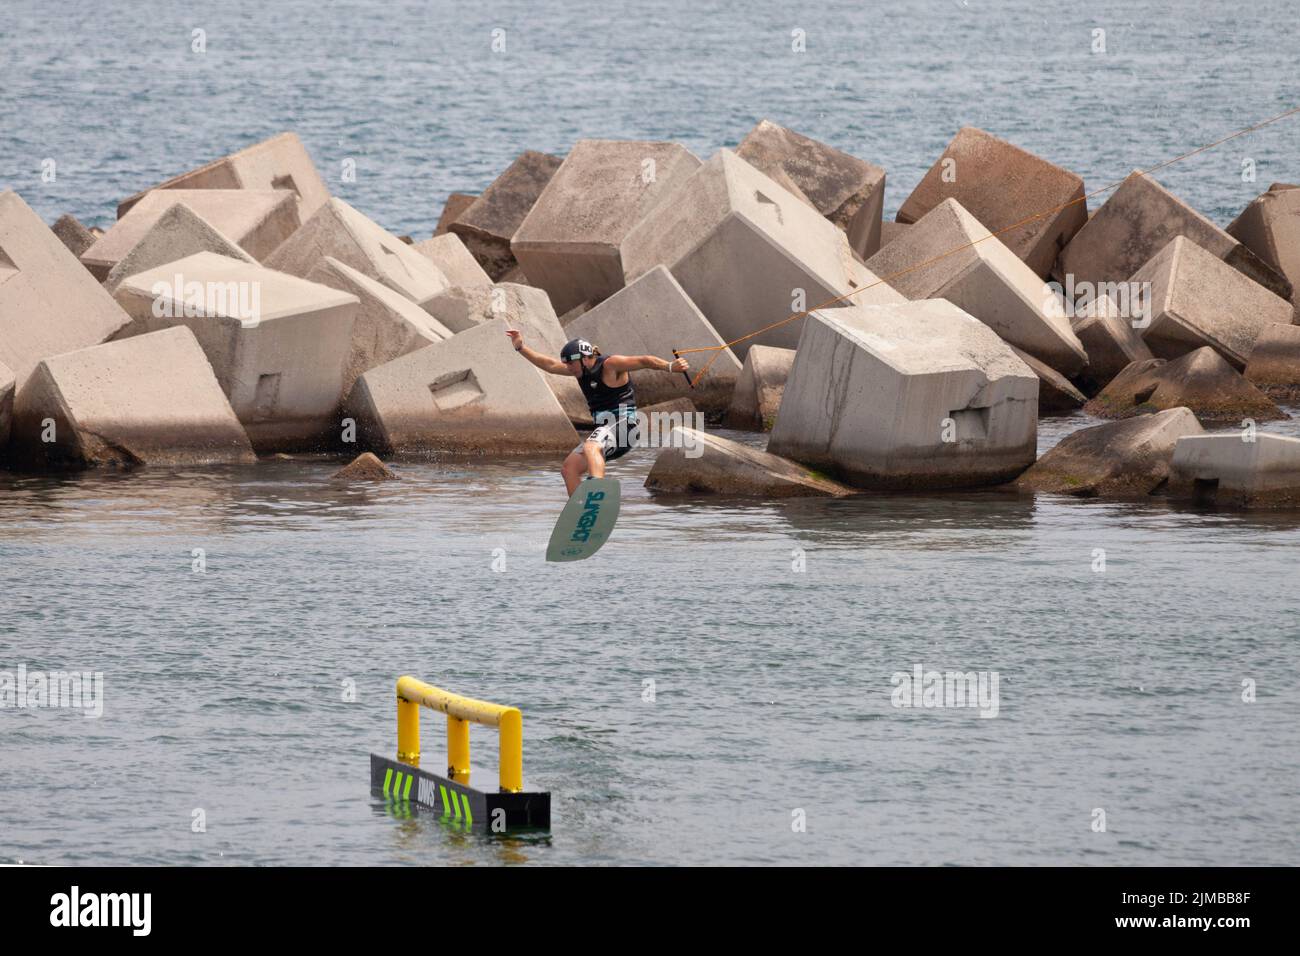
(687, 374)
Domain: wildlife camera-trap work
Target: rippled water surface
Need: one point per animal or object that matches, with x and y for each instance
(1119, 690)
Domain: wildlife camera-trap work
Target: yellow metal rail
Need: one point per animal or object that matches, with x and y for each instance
(413, 694)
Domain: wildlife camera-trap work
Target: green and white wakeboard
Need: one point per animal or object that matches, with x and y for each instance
(586, 522)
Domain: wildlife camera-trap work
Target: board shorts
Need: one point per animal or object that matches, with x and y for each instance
(616, 436)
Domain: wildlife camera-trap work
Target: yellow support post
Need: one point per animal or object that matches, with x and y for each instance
(413, 694)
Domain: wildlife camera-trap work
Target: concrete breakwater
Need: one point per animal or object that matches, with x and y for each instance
(238, 309)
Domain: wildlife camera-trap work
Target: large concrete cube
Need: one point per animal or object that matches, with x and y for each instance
(1056, 393)
(278, 344)
(49, 303)
(757, 396)
(981, 276)
(1274, 366)
(453, 260)
(747, 252)
(1202, 381)
(908, 396)
(468, 395)
(1120, 459)
(1270, 228)
(258, 220)
(1002, 185)
(488, 224)
(570, 242)
(1225, 470)
(148, 400)
(7, 382)
(846, 190)
(73, 234)
(699, 463)
(1197, 300)
(177, 233)
(1111, 342)
(1139, 219)
(280, 162)
(339, 231)
(388, 325)
(652, 316)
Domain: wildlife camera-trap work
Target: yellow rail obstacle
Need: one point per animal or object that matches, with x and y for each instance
(508, 808)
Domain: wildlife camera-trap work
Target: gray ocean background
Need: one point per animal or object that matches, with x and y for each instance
(225, 691)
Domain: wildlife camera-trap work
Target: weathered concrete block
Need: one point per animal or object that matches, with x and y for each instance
(1274, 366)
(453, 260)
(1270, 228)
(7, 382)
(916, 395)
(258, 220)
(1055, 392)
(457, 203)
(339, 231)
(148, 400)
(699, 463)
(1224, 470)
(365, 467)
(848, 191)
(1111, 342)
(492, 220)
(470, 394)
(570, 242)
(889, 231)
(652, 316)
(49, 303)
(177, 233)
(986, 279)
(1197, 300)
(278, 344)
(757, 395)
(683, 407)
(1139, 219)
(1002, 185)
(388, 325)
(76, 237)
(280, 162)
(1118, 459)
(521, 307)
(740, 245)
(1200, 380)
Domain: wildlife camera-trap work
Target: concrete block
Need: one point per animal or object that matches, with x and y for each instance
(1197, 300)
(7, 382)
(1270, 228)
(491, 221)
(388, 325)
(1224, 470)
(49, 303)
(365, 467)
(278, 344)
(652, 316)
(468, 395)
(983, 277)
(1200, 380)
(339, 231)
(1002, 185)
(1128, 458)
(177, 233)
(1274, 366)
(1139, 219)
(570, 242)
(148, 400)
(1056, 393)
(1111, 342)
(700, 463)
(909, 396)
(848, 191)
(453, 260)
(258, 220)
(73, 234)
(280, 162)
(456, 204)
(757, 396)
(741, 247)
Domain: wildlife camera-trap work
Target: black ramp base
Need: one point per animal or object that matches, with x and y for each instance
(457, 804)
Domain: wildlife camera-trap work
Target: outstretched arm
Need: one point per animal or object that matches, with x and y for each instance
(545, 362)
(631, 363)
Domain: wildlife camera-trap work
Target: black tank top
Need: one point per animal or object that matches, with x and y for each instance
(602, 398)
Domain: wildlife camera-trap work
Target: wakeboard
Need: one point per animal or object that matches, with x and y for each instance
(586, 522)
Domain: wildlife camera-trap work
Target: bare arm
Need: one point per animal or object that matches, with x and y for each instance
(632, 363)
(545, 362)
